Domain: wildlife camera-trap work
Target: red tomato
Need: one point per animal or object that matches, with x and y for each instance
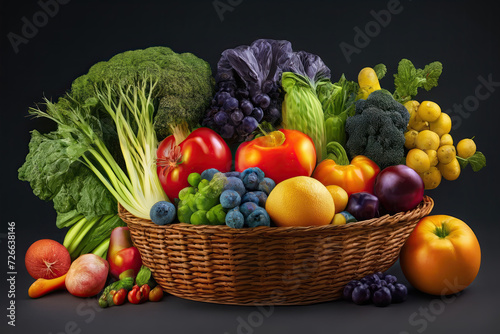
(202, 149)
(280, 154)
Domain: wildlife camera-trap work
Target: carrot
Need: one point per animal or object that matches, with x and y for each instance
(43, 286)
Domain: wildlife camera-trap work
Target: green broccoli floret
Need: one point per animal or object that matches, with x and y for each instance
(217, 215)
(185, 85)
(196, 205)
(377, 129)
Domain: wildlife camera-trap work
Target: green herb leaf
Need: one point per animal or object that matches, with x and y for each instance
(409, 79)
(143, 276)
(462, 162)
(431, 73)
(380, 70)
(477, 161)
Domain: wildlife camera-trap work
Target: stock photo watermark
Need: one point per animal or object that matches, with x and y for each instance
(363, 36)
(86, 312)
(424, 316)
(11, 273)
(32, 25)
(223, 6)
(483, 91)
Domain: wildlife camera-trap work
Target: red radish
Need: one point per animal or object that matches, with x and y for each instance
(87, 275)
(47, 259)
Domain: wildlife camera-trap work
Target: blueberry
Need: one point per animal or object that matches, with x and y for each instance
(361, 294)
(230, 199)
(233, 173)
(250, 197)
(251, 181)
(262, 198)
(400, 293)
(375, 278)
(252, 177)
(354, 282)
(375, 286)
(266, 185)
(235, 183)
(247, 208)
(391, 288)
(390, 279)
(382, 297)
(259, 217)
(235, 219)
(208, 174)
(347, 292)
(162, 213)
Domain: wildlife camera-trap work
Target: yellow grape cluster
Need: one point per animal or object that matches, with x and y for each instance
(431, 152)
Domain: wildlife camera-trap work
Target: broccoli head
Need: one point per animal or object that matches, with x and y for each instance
(185, 85)
(377, 129)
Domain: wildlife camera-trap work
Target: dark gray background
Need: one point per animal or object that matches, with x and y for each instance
(463, 35)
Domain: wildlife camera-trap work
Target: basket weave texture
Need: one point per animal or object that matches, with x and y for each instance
(269, 265)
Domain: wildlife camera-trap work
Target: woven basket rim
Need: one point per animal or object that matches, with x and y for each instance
(384, 221)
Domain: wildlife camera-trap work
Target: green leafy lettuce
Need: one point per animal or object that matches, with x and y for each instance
(55, 175)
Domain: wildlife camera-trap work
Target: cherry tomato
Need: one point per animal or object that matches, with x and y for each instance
(280, 154)
(442, 255)
(138, 294)
(202, 149)
(357, 177)
(119, 297)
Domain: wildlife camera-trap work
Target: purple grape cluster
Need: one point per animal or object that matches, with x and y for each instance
(249, 88)
(378, 288)
(235, 113)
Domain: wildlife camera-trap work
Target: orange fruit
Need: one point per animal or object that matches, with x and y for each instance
(340, 197)
(300, 201)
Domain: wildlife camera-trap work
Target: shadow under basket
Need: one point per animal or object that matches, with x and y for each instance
(269, 265)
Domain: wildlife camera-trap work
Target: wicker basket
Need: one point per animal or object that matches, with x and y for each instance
(269, 265)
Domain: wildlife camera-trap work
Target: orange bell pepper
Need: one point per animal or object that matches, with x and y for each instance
(358, 176)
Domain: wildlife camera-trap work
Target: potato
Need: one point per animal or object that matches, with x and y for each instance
(446, 154)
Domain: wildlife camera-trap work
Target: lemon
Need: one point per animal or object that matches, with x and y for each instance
(446, 139)
(442, 125)
(446, 154)
(418, 160)
(339, 196)
(429, 111)
(300, 201)
(431, 178)
(466, 148)
(427, 140)
(450, 171)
